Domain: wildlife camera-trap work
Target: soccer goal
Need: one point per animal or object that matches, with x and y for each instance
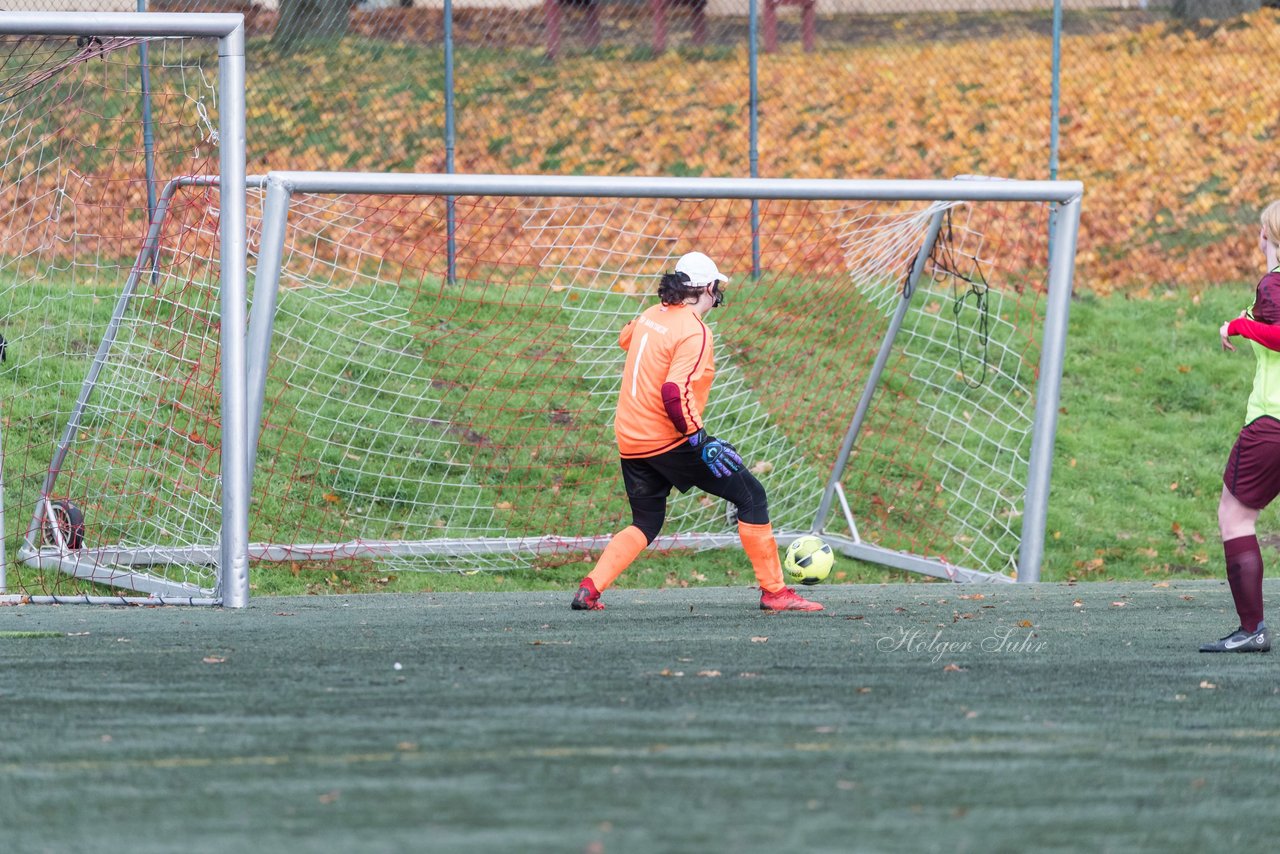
(433, 364)
(122, 306)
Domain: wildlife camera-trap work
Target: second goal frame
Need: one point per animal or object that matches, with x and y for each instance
(62, 166)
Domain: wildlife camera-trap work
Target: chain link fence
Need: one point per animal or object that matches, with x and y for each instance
(1167, 111)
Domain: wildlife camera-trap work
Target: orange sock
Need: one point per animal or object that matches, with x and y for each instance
(624, 548)
(762, 550)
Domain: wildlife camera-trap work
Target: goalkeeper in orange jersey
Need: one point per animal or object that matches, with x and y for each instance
(663, 443)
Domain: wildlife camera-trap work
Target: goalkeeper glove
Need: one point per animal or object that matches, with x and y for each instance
(721, 457)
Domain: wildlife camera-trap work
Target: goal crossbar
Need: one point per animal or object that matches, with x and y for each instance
(963, 189)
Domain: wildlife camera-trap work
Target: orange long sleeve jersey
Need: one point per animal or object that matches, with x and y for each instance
(665, 382)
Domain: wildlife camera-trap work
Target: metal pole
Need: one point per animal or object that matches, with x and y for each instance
(1040, 467)
(449, 142)
(753, 65)
(208, 24)
(4, 531)
(148, 129)
(873, 378)
(266, 288)
(1055, 90)
(1055, 113)
(234, 553)
(662, 187)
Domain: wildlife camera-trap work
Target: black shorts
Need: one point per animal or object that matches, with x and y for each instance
(683, 468)
(1253, 469)
(651, 477)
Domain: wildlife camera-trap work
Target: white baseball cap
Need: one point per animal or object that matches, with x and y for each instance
(700, 269)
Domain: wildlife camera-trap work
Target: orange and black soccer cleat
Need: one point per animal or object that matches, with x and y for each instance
(785, 599)
(587, 598)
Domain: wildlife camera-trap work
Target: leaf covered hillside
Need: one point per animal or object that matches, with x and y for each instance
(1170, 128)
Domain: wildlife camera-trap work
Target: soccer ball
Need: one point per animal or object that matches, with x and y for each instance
(809, 560)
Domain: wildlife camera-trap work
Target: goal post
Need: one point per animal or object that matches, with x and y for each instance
(107, 422)
(433, 362)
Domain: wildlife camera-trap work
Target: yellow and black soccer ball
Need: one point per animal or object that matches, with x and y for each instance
(808, 561)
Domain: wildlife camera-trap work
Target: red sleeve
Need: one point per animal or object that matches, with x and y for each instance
(1264, 333)
(671, 401)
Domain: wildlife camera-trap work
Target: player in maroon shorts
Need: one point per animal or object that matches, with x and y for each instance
(1251, 480)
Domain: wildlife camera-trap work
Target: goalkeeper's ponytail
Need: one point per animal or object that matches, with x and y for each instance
(675, 288)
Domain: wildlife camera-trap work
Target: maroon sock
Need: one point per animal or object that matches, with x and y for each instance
(1244, 574)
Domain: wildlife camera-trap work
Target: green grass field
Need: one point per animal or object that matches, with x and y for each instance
(904, 718)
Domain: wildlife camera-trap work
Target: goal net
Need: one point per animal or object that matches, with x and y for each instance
(111, 408)
(434, 364)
